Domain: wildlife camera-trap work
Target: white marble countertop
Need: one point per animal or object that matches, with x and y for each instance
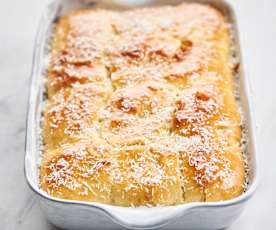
(18, 23)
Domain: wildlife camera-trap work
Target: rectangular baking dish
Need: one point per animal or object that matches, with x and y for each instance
(70, 214)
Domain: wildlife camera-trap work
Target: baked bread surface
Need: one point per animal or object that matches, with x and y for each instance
(141, 108)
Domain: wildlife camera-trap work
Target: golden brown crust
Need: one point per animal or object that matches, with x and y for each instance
(141, 108)
(144, 177)
(71, 111)
(78, 170)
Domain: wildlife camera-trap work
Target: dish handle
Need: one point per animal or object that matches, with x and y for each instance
(148, 218)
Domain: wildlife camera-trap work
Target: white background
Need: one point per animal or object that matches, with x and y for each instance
(18, 23)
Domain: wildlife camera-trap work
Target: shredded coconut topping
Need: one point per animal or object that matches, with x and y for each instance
(141, 108)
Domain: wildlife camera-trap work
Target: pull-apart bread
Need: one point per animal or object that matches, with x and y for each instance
(141, 108)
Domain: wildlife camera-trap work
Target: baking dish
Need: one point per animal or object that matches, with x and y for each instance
(88, 215)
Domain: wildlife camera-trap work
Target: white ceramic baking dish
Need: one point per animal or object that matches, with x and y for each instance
(73, 214)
